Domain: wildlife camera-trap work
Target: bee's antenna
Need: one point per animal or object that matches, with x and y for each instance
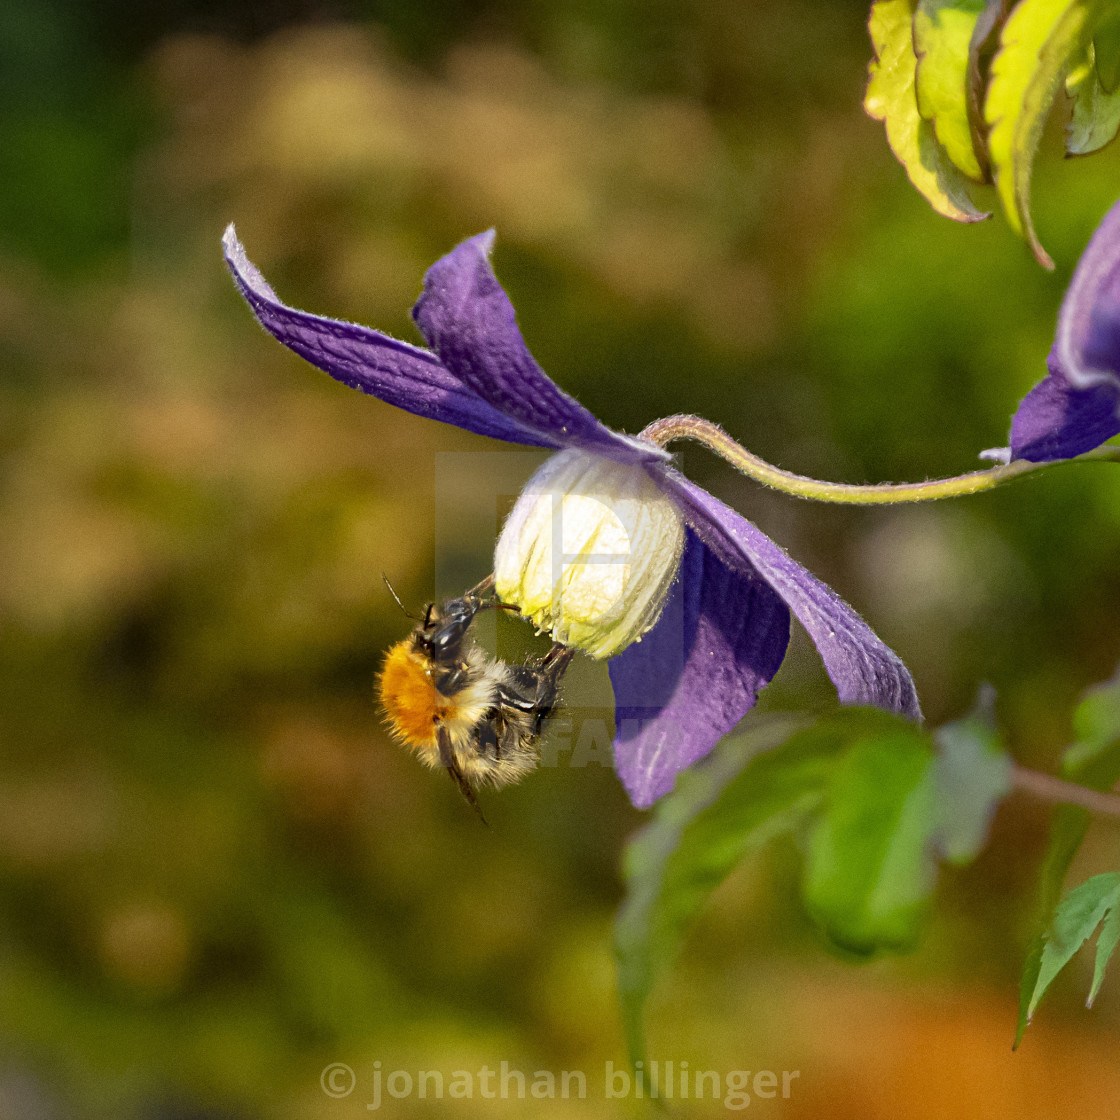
(407, 614)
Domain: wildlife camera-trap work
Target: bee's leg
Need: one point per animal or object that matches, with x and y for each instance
(485, 588)
(556, 661)
(534, 690)
(489, 735)
(480, 588)
(447, 757)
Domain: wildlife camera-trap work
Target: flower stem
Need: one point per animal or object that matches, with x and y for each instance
(1049, 788)
(716, 439)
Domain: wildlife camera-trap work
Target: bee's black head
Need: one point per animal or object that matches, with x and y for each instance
(444, 628)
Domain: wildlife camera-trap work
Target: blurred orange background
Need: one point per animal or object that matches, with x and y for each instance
(217, 874)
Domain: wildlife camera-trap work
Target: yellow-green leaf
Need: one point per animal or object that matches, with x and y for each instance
(1096, 112)
(942, 37)
(891, 98)
(1039, 42)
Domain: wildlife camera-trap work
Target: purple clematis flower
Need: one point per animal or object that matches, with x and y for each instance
(722, 629)
(1077, 406)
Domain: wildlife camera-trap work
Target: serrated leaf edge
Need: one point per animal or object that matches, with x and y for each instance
(913, 140)
(1012, 175)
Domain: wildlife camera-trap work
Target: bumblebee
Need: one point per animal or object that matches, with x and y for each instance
(455, 706)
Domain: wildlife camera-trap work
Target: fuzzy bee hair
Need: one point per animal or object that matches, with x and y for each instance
(456, 707)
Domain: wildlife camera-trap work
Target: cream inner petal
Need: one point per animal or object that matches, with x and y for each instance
(590, 551)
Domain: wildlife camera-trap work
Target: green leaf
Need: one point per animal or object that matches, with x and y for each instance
(871, 865)
(1106, 45)
(1106, 946)
(972, 774)
(751, 788)
(891, 98)
(1096, 733)
(1094, 761)
(1084, 909)
(1070, 823)
(1039, 43)
(942, 38)
(1027, 984)
(1096, 113)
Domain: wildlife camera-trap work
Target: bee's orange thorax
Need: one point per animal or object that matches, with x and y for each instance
(412, 705)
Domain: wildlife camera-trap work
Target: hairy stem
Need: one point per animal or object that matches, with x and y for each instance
(1049, 788)
(712, 436)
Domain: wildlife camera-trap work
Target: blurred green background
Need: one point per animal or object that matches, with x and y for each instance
(217, 875)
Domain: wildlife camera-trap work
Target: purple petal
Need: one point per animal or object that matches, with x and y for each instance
(864, 670)
(365, 359)
(1102, 346)
(1084, 346)
(1075, 408)
(470, 323)
(691, 679)
(1057, 421)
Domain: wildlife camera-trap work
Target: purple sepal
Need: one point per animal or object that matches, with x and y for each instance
(468, 320)
(863, 669)
(365, 359)
(720, 638)
(1102, 344)
(1057, 421)
(1075, 408)
(1093, 297)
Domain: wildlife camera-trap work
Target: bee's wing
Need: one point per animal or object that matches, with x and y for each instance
(447, 757)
